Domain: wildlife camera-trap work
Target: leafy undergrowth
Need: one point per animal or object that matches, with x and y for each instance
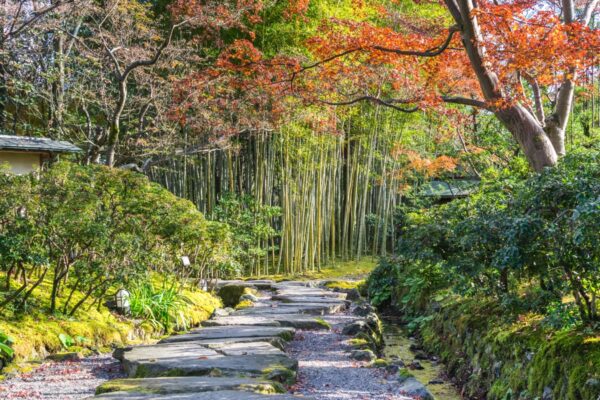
(93, 328)
(340, 270)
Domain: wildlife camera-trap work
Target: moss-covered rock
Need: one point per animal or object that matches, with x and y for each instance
(380, 363)
(230, 294)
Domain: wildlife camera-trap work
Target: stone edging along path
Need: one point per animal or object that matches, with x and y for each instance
(233, 356)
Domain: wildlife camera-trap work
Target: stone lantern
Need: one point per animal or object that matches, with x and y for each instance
(122, 301)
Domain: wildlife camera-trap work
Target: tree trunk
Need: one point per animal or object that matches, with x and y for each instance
(535, 143)
(115, 127)
(541, 151)
(58, 85)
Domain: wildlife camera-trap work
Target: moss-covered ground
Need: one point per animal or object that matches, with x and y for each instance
(93, 329)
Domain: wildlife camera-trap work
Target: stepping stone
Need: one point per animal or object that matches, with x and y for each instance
(220, 395)
(331, 308)
(187, 384)
(285, 284)
(294, 309)
(313, 293)
(275, 341)
(242, 349)
(287, 320)
(189, 358)
(307, 299)
(241, 320)
(232, 333)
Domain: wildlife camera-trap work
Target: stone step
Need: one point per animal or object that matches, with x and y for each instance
(233, 334)
(219, 395)
(313, 293)
(307, 299)
(191, 358)
(275, 341)
(296, 321)
(188, 384)
(291, 309)
(250, 320)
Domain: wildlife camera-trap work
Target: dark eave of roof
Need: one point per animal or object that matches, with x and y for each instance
(26, 143)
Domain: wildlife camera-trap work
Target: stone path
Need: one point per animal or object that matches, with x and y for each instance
(237, 355)
(297, 337)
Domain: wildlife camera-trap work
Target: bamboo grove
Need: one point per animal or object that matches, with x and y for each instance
(337, 192)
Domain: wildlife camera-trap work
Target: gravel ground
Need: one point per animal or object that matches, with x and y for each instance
(327, 372)
(62, 381)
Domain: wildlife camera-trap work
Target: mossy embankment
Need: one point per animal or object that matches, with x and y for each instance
(493, 356)
(94, 328)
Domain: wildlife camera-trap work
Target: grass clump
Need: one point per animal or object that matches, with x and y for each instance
(324, 323)
(244, 304)
(380, 363)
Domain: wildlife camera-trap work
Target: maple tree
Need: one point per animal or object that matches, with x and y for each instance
(501, 56)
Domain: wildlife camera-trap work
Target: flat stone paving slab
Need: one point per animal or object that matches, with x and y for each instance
(296, 321)
(231, 320)
(242, 349)
(307, 299)
(186, 384)
(312, 293)
(219, 332)
(272, 340)
(295, 309)
(220, 395)
(190, 358)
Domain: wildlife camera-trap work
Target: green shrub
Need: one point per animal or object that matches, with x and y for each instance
(90, 228)
(536, 235)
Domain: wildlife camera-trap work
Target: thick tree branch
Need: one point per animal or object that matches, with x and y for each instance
(588, 11)
(465, 101)
(537, 98)
(376, 100)
(392, 103)
(434, 51)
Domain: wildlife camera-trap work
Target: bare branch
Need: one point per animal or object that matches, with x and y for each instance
(149, 62)
(36, 16)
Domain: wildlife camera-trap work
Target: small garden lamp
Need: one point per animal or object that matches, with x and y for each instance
(185, 260)
(122, 301)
